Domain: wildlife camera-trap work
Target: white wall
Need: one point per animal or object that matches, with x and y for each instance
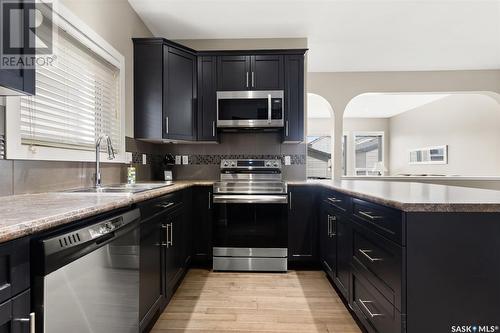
(468, 123)
(117, 23)
(352, 125)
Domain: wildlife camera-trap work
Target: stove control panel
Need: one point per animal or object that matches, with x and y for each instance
(250, 164)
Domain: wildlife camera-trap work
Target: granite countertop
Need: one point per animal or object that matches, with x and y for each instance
(26, 214)
(416, 197)
(22, 215)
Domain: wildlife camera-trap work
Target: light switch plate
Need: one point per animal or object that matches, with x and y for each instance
(128, 157)
(144, 159)
(185, 159)
(178, 159)
(288, 160)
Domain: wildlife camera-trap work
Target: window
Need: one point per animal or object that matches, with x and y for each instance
(369, 154)
(77, 99)
(319, 157)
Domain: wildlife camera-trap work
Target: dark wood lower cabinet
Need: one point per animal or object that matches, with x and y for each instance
(152, 290)
(303, 206)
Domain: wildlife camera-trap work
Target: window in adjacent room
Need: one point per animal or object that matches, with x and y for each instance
(369, 155)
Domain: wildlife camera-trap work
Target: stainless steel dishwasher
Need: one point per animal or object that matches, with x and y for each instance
(88, 278)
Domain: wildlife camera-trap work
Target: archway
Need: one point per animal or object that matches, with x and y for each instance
(320, 134)
(415, 135)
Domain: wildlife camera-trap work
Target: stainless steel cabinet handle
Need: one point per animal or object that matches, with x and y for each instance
(290, 200)
(286, 128)
(253, 79)
(370, 216)
(165, 205)
(329, 225)
(209, 200)
(269, 107)
(334, 200)
(365, 253)
(373, 315)
(171, 234)
(213, 129)
(167, 235)
(332, 228)
(247, 79)
(166, 125)
(30, 320)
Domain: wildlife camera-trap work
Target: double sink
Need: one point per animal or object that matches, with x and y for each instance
(122, 188)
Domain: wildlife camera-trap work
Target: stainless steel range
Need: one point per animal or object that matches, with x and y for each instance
(250, 227)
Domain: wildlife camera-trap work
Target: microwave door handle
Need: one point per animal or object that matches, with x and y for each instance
(269, 106)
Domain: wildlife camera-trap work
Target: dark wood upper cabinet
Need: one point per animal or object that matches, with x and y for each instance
(267, 72)
(250, 72)
(294, 98)
(207, 103)
(19, 82)
(164, 90)
(179, 96)
(233, 72)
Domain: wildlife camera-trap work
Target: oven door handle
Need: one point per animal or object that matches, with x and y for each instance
(249, 199)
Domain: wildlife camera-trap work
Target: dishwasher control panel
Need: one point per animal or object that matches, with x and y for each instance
(104, 228)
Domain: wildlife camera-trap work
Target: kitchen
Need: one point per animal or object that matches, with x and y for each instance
(154, 178)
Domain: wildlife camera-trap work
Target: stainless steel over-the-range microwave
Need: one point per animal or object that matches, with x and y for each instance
(250, 109)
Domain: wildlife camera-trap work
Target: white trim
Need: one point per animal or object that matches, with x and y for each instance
(353, 150)
(66, 20)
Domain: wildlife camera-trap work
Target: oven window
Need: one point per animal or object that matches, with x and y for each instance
(250, 225)
(243, 109)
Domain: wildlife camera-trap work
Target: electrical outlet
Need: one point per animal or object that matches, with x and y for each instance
(185, 159)
(288, 160)
(128, 157)
(178, 159)
(144, 159)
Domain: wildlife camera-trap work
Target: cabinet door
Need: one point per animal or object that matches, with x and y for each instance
(15, 82)
(294, 98)
(179, 75)
(148, 92)
(324, 235)
(202, 224)
(233, 73)
(343, 244)
(151, 290)
(302, 218)
(267, 72)
(207, 104)
(174, 260)
(15, 314)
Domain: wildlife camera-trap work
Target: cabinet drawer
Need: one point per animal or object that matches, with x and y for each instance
(377, 314)
(337, 201)
(381, 262)
(383, 220)
(156, 206)
(14, 268)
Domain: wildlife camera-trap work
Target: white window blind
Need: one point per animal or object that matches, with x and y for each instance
(77, 99)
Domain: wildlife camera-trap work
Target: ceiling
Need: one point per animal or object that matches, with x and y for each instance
(385, 105)
(346, 35)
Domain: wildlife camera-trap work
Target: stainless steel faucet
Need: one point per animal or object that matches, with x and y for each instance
(111, 156)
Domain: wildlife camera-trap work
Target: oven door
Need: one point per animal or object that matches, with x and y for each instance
(250, 109)
(250, 221)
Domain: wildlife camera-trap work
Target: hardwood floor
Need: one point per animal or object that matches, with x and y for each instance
(299, 301)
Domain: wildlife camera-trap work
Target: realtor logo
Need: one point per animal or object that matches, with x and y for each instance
(26, 34)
